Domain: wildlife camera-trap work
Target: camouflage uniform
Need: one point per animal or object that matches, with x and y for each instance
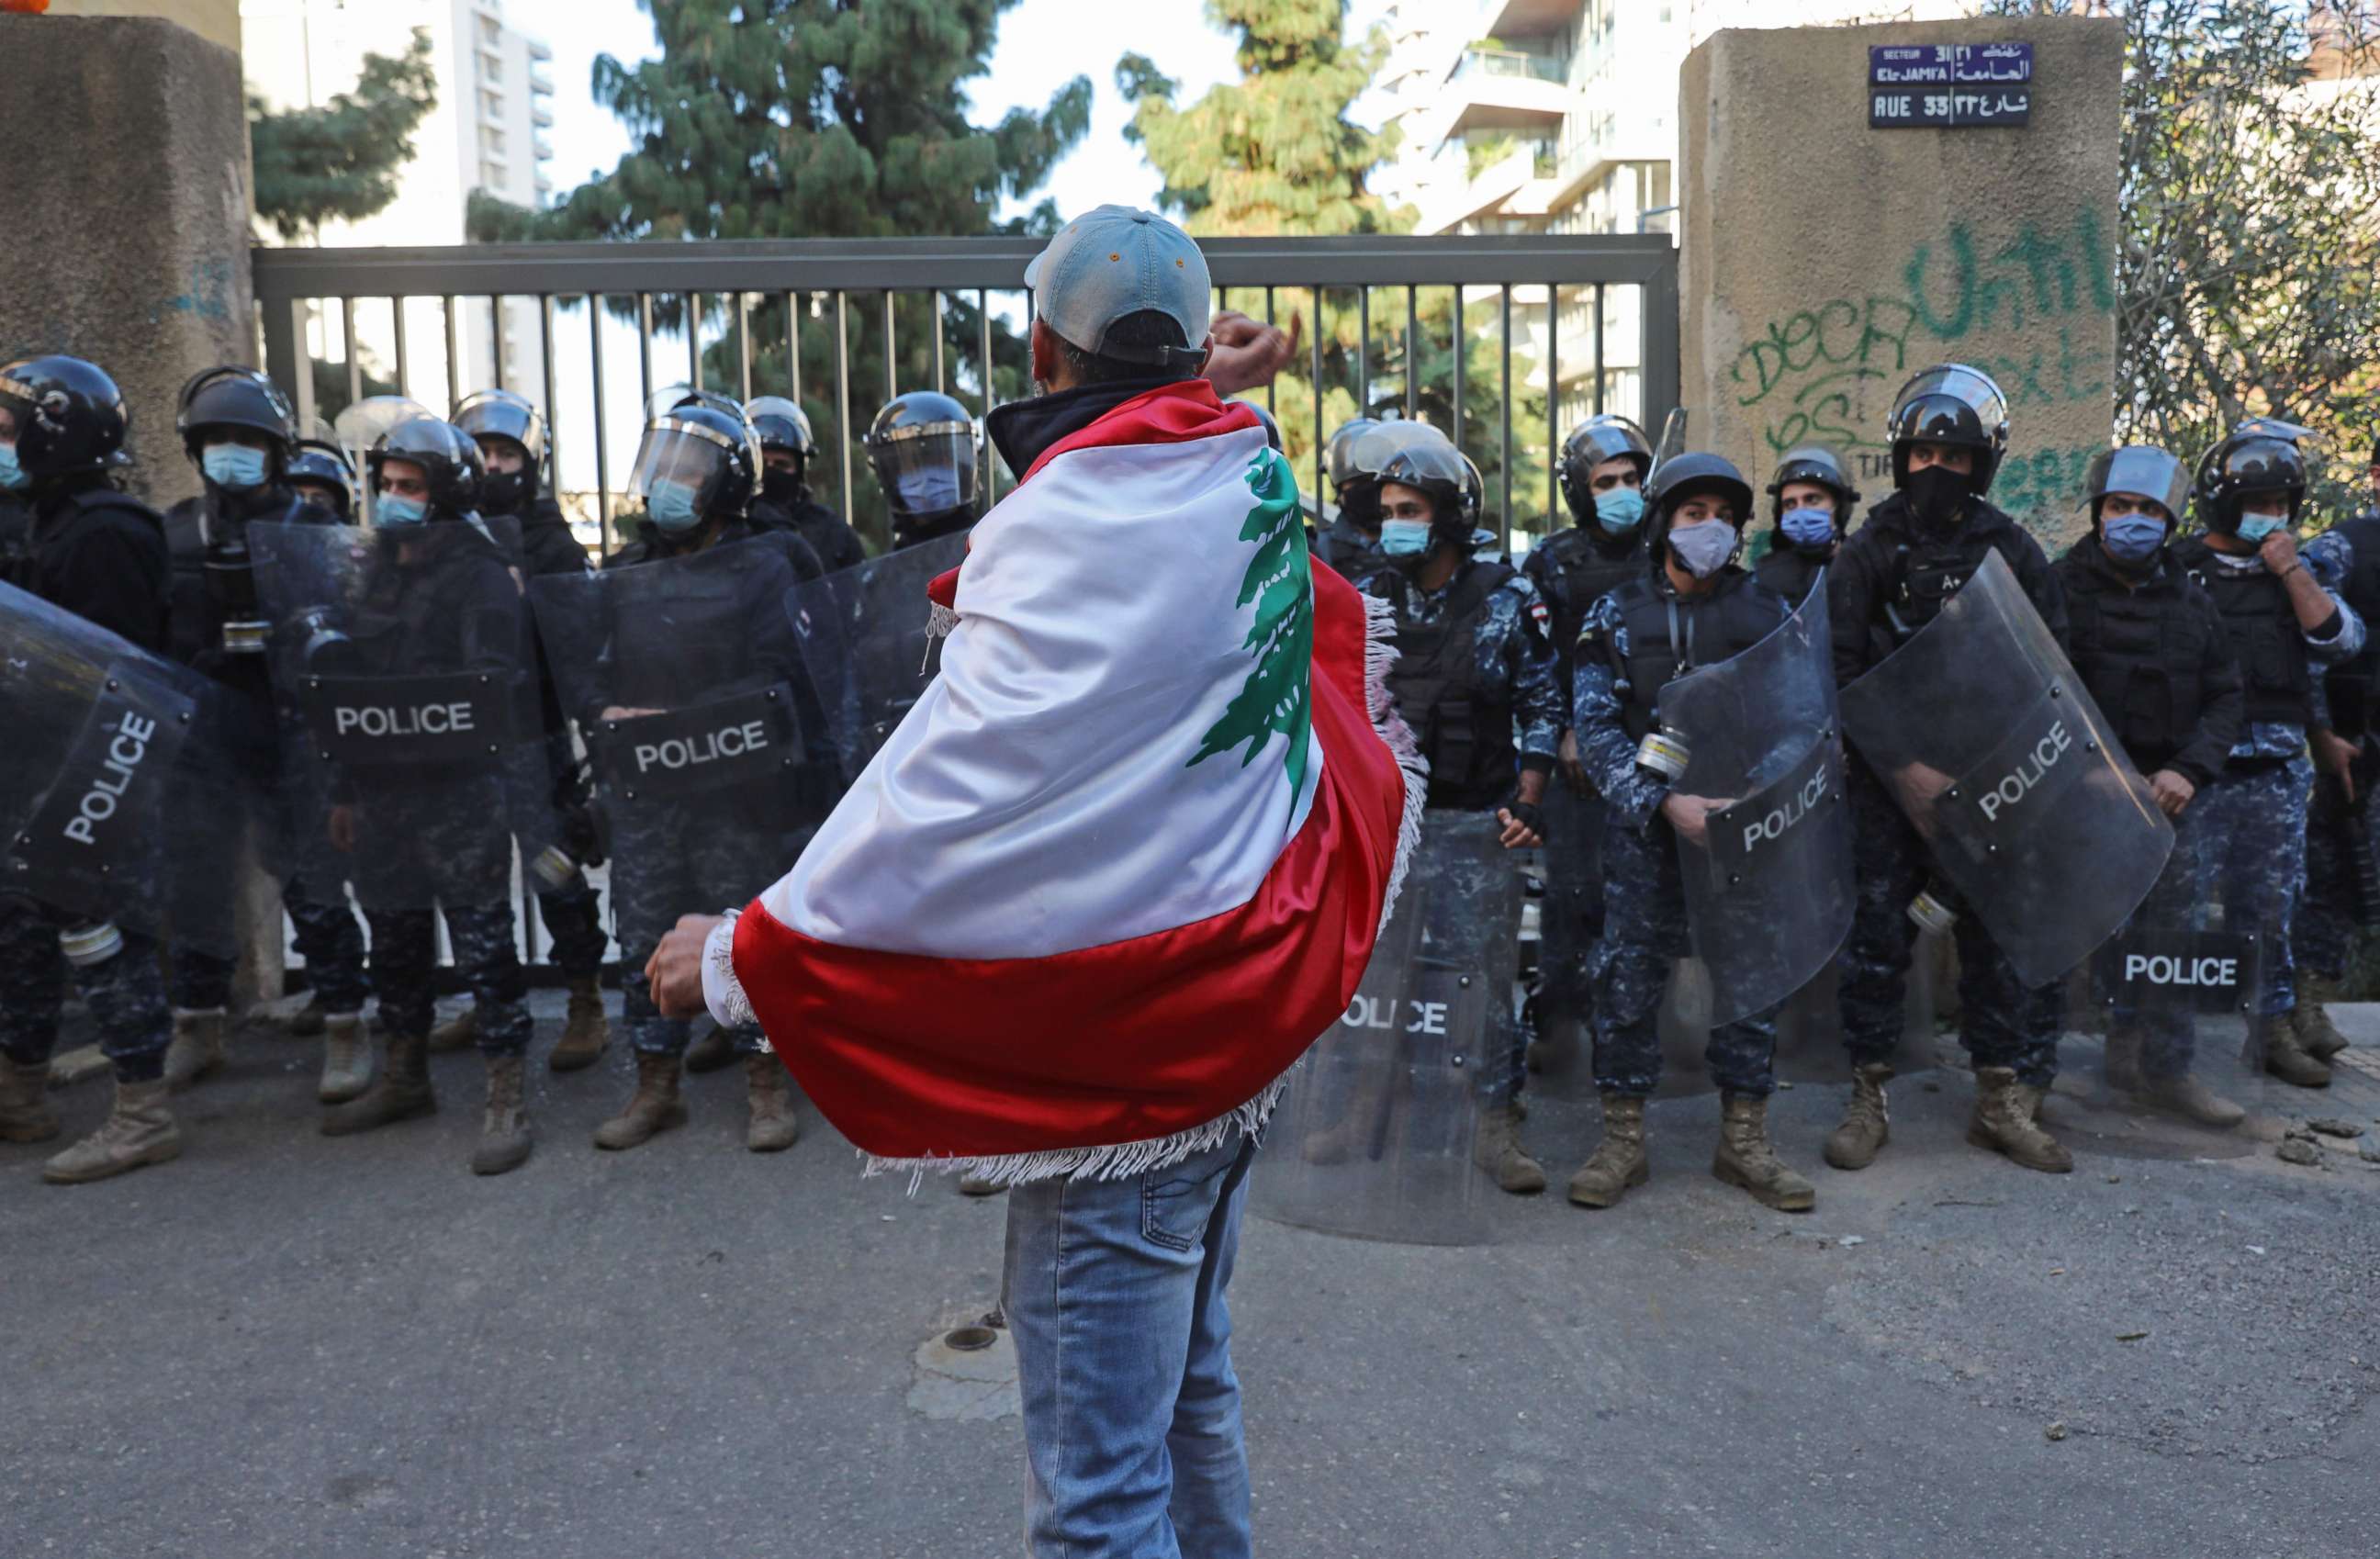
(126, 996)
(2323, 933)
(661, 869)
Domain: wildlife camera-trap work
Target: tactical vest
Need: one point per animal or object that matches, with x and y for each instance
(1348, 550)
(1578, 573)
(55, 536)
(2139, 652)
(1462, 719)
(1788, 573)
(196, 624)
(1928, 573)
(2276, 672)
(1670, 635)
(2350, 686)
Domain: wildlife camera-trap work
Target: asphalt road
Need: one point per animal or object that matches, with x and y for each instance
(284, 1345)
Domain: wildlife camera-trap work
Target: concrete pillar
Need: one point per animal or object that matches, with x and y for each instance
(127, 213)
(1822, 262)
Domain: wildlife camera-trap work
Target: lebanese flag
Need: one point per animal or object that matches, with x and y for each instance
(1127, 856)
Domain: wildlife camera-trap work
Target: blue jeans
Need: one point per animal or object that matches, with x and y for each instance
(1114, 1296)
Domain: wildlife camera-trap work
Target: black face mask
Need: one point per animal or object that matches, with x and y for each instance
(502, 492)
(782, 488)
(1936, 495)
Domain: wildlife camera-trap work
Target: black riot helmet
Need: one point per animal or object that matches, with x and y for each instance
(1817, 463)
(924, 448)
(1417, 455)
(449, 459)
(318, 460)
(1604, 436)
(70, 418)
(2261, 456)
(1681, 477)
(502, 414)
(1273, 428)
(782, 424)
(1355, 487)
(701, 441)
(1951, 403)
(232, 397)
(2138, 469)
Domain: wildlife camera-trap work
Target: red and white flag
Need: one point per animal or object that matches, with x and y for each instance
(1127, 856)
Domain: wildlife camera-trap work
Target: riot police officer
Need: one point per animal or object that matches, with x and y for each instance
(98, 553)
(321, 474)
(2148, 641)
(1602, 472)
(1476, 679)
(238, 429)
(510, 434)
(1350, 542)
(1948, 429)
(1810, 500)
(925, 450)
(696, 472)
(2322, 933)
(1692, 607)
(2286, 623)
(786, 450)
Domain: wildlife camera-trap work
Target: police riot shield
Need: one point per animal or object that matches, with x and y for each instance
(403, 663)
(109, 749)
(1374, 1138)
(691, 689)
(1769, 889)
(1986, 739)
(880, 612)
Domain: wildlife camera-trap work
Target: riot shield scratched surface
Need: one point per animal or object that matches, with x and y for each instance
(880, 611)
(107, 748)
(691, 688)
(1375, 1136)
(1986, 739)
(1769, 889)
(408, 684)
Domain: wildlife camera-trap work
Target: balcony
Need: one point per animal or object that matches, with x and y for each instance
(1529, 18)
(1490, 181)
(542, 116)
(544, 148)
(1503, 89)
(540, 51)
(539, 82)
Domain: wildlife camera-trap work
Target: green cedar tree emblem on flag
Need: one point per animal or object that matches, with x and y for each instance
(1278, 696)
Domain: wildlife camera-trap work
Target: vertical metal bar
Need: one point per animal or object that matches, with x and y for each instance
(794, 347)
(347, 335)
(1314, 353)
(842, 401)
(1657, 322)
(396, 314)
(1268, 320)
(497, 338)
(693, 340)
(1462, 353)
(1553, 401)
(1363, 351)
(1598, 348)
(941, 383)
(545, 360)
(645, 349)
(454, 356)
(744, 344)
(991, 459)
(602, 434)
(892, 377)
(284, 353)
(1413, 354)
(1506, 475)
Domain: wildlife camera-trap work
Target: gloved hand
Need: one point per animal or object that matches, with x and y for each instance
(1525, 823)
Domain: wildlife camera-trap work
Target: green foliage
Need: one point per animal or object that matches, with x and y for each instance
(2249, 272)
(816, 119)
(341, 160)
(1277, 697)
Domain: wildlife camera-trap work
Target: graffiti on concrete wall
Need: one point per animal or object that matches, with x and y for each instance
(2033, 313)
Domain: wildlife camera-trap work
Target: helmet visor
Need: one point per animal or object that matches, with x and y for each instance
(926, 468)
(1951, 386)
(676, 451)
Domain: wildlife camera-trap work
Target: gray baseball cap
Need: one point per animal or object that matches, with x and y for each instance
(1113, 261)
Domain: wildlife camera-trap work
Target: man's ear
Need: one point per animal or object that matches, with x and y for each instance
(1046, 356)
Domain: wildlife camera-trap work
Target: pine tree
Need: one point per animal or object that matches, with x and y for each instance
(313, 165)
(816, 119)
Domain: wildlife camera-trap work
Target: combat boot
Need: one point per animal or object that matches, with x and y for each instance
(768, 1090)
(1867, 1121)
(2276, 1046)
(1618, 1165)
(402, 1092)
(2004, 1122)
(504, 1135)
(1746, 1159)
(654, 1107)
(347, 1058)
(2192, 1100)
(1498, 1150)
(201, 1047)
(458, 1032)
(139, 1130)
(586, 1031)
(2315, 1031)
(307, 1021)
(25, 1113)
(715, 1051)
(2121, 1067)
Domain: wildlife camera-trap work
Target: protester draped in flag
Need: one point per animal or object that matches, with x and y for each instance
(1124, 859)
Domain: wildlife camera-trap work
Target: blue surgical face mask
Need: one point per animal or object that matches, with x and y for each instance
(389, 509)
(12, 476)
(233, 465)
(1404, 538)
(2132, 539)
(2254, 528)
(1807, 526)
(670, 504)
(1619, 511)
